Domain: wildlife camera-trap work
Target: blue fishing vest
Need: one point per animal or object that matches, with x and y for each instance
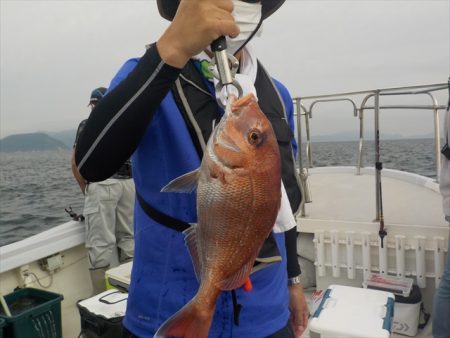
(163, 279)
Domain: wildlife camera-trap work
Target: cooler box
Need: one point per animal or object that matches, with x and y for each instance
(34, 313)
(407, 313)
(346, 312)
(102, 315)
(408, 301)
(119, 277)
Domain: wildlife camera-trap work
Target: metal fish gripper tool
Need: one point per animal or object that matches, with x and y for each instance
(227, 66)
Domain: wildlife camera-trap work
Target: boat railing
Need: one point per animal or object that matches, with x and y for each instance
(305, 106)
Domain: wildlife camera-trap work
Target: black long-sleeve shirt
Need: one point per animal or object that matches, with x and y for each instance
(119, 121)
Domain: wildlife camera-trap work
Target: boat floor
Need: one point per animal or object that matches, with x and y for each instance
(339, 194)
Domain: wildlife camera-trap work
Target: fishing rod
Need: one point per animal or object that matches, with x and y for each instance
(379, 166)
(74, 215)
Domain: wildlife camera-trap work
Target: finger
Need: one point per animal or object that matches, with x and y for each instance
(227, 28)
(225, 23)
(300, 331)
(305, 318)
(296, 320)
(226, 5)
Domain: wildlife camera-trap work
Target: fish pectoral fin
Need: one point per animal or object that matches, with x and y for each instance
(190, 237)
(184, 183)
(238, 279)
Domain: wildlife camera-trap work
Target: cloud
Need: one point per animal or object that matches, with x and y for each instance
(54, 52)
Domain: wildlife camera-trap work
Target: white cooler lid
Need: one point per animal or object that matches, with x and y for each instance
(353, 312)
(120, 276)
(108, 304)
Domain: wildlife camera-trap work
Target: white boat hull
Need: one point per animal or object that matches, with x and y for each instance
(339, 233)
(72, 280)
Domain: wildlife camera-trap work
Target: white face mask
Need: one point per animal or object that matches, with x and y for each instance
(247, 17)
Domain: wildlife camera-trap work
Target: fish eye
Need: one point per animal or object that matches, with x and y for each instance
(254, 137)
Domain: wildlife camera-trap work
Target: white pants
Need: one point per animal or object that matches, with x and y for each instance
(108, 211)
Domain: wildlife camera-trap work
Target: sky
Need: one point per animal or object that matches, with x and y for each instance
(53, 53)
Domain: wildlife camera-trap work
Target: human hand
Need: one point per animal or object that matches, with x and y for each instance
(196, 24)
(299, 309)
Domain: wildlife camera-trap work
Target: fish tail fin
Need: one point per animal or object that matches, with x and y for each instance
(191, 321)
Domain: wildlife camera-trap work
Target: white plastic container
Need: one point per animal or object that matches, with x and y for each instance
(353, 312)
(102, 315)
(120, 276)
(407, 313)
(400, 286)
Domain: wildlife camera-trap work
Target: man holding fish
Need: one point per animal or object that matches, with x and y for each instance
(215, 236)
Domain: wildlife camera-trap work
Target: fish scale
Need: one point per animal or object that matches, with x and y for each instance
(238, 198)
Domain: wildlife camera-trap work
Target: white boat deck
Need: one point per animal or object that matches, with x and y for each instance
(339, 194)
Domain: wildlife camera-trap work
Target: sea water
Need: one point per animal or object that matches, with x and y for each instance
(35, 187)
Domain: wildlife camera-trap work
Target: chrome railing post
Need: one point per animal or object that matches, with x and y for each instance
(298, 109)
(361, 141)
(355, 113)
(437, 137)
(301, 172)
(308, 115)
(437, 145)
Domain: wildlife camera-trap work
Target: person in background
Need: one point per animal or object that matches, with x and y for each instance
(161, 109)
(441, 304)
(108, 212)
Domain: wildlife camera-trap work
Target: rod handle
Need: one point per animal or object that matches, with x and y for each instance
(219, 44)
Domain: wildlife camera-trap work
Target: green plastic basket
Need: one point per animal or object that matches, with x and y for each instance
(34, 314)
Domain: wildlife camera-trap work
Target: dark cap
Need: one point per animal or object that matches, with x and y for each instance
(97, 94)
(168, 8)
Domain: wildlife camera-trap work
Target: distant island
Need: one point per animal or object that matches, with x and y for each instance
(30, 142)
(65, 136)
(65, 139)
(348, 136)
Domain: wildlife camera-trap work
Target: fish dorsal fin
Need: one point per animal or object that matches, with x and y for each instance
(190, 237)
(237, 280)
(184, 183)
